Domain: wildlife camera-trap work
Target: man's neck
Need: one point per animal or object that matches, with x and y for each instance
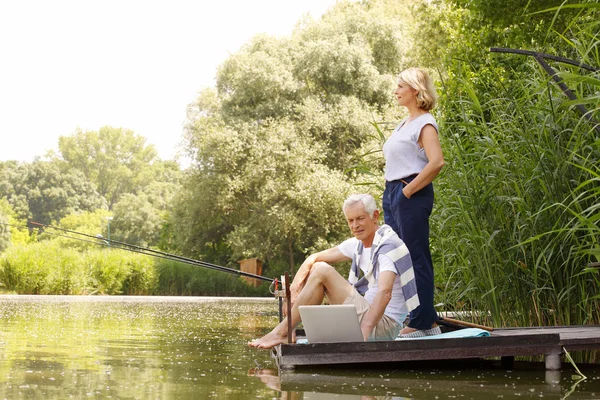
(368, 242)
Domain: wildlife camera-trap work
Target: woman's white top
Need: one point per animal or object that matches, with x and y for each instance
(403, 156)
(396, 308)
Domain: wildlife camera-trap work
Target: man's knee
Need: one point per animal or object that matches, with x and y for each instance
(322, 270)
(336, 286)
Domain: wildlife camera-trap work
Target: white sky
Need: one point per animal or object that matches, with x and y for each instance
(136, 64)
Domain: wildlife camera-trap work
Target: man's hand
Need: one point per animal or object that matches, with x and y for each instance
(295, 289)
(380, 302)
(366, 331)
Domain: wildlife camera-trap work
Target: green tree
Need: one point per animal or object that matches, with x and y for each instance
(92, 223)
(115, 160)
(43, 192)
(5, 235)
(275, 142)
(11, 186)
(15, 231)
(279, 199)
(141, 218)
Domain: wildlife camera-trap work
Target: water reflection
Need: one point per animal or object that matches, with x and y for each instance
(119, 347)
(56, 347)
(427, 383)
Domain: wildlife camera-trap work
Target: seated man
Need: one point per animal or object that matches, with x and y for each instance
(388, 283)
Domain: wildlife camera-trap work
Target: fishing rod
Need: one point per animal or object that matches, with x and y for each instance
(156, 253)
(99, 240)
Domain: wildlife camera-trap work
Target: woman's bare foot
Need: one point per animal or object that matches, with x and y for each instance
(407, 329)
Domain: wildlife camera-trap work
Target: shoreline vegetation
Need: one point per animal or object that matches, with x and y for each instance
(296, 124)
(49, 267)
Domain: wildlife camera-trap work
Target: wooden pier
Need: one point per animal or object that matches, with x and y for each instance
(505, 343)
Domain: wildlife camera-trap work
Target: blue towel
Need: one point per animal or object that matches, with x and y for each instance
(461, 333)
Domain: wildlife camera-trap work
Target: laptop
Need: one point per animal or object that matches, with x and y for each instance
(331, 323)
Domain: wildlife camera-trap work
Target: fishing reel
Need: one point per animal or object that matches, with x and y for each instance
(275, 290)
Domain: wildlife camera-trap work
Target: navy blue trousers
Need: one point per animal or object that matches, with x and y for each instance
(409, 218)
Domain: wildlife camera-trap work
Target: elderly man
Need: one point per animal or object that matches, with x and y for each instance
(384, 294)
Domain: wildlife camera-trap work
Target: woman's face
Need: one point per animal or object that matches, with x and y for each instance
(405, 94)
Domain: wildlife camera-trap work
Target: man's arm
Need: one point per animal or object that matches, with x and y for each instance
(385, 283)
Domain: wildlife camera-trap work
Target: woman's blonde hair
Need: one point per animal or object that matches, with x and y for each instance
(419, 80)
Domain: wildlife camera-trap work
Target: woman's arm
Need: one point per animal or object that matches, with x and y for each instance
(430, 142)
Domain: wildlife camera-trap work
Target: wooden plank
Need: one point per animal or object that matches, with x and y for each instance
(408, 350)
(421, 344)
(503, 343)
(571, 337)
(581, 344)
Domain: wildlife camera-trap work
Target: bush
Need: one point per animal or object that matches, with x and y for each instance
(182, 279)
(42, 268)
(50, 267)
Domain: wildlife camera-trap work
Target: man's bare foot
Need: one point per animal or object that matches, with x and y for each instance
(268, 376)
(268, 341)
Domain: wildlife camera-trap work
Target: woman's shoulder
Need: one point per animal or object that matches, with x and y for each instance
(427, 119)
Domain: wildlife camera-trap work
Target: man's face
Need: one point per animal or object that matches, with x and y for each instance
(362, 226)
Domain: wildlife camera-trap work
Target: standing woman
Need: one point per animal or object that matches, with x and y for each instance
(413, 158)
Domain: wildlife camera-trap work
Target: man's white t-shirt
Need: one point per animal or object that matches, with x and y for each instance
(396, 308)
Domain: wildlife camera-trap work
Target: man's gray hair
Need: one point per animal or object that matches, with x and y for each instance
(366, 199)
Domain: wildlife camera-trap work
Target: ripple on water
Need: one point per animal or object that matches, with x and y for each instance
(163, 347)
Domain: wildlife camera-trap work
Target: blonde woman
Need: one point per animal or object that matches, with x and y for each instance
(413, 158)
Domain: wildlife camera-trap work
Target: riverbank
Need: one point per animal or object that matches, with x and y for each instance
(128, 298)
(48, 267)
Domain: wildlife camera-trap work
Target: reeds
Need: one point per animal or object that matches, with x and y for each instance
(53, 267)
(516, 222)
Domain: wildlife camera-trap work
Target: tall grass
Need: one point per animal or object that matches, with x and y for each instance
(517, 216)
(43, 268)
(177, 279)
(52, 267)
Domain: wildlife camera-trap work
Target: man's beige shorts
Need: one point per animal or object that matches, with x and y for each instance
(386, 328)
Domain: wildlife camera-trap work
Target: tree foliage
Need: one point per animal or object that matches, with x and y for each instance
(43, 192)
(13, 232)
(115, 160)
(5, 234)
(275, 142)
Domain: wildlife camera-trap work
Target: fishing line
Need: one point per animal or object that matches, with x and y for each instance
(138, 249)
(151, 252)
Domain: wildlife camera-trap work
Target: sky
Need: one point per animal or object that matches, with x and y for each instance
(136, 64)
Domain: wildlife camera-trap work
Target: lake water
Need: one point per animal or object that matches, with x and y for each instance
(58, 347)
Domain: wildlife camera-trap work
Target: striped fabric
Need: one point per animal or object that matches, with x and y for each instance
(386, 242)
